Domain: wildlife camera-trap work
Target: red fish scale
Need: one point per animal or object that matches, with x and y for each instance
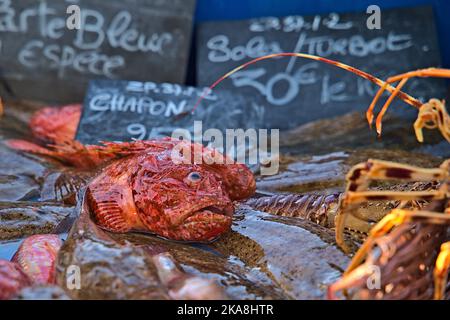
(37, 255)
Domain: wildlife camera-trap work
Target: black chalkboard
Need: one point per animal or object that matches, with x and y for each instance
(42, 59)
(296, 91)
(116, 110)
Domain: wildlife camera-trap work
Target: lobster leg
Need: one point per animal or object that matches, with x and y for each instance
(403, 78)
(357, 273)
(358, 180)
(441, 271)
(433, 115)
(395, 218)
(358, 276)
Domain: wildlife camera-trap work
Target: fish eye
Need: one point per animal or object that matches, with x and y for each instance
(194, 176)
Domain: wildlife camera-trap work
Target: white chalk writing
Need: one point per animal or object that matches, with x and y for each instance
(47, 23)
(299, 23)
(112, 102)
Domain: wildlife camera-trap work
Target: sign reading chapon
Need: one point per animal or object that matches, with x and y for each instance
(49, 53)
(117, 110)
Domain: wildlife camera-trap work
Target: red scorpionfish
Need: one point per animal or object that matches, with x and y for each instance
(32, 264)
(142, 189)
(53, 124)
(149, 191)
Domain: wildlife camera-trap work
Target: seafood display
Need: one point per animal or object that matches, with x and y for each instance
(129, 187)
(348, 214)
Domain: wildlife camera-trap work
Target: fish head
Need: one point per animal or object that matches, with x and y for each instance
(181, 201)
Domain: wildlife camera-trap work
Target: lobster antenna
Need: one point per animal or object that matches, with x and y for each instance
(404, 96)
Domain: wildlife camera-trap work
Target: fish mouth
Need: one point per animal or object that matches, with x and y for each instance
(225, 210)
(207, 223)
(210, 210)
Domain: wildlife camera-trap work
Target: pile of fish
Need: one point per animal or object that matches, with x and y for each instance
(122, 221)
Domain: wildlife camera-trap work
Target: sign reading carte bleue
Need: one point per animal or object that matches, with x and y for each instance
(116, 110)
(296, 90)
(41, 58)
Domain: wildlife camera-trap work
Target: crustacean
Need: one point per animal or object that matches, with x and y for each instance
(32, 264)
(407, 254)
(320, 209)
(431, 114)
(58, 125)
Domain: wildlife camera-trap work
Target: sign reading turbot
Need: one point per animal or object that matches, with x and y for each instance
(49, 54)
(295, 90)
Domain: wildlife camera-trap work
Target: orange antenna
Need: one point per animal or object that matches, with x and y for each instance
(404, 96)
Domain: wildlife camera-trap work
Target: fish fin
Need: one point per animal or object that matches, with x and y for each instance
(137, 146)
(67, 184)
(71, 152)
(27, 146)
(65, 224)
(106, 210)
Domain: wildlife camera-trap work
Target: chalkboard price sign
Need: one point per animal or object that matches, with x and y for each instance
(116, 110)
(296, 91)
(41, 58)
